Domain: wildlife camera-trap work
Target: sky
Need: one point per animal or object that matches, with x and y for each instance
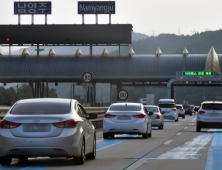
(150, 17)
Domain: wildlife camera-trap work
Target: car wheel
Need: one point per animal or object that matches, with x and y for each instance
(80, 160)
(112, 136)
(184, 117)
(150, 134)
(198, 129)
(92, 155)
(23, 158)
(191, 114)
(176, 119)
(145, 135)
(105, 135)
(162, 125)
(6, 160)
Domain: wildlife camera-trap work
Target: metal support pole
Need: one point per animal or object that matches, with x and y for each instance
(32, 19)
(37, 49)
(73, 90)
(119, 87)
(119, 49)
(47, 90)
(172, 91)
(86, 96)
(94, 94)
(42, 89)
(83, 19)
(90, 49)
(9, 50)
(35, 89)
(109, 18)
(18, 19)
(45, 19)
(33, 92)
(96, 18)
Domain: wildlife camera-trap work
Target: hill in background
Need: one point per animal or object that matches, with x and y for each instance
(199, 43)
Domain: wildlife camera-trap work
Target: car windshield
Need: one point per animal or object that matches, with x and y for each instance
(212, 106)
(40, 108)
(166, 105)
(152, 109)
(125, 108)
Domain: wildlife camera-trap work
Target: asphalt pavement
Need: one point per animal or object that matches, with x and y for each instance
(177, 147)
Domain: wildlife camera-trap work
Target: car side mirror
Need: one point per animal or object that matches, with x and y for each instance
(150, 113)
(92, 116)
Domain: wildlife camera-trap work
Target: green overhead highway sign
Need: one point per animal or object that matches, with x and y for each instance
(198, 73)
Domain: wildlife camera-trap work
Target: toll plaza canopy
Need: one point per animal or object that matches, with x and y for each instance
(63, 68)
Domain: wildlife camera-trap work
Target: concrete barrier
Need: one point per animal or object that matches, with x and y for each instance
(98, 123)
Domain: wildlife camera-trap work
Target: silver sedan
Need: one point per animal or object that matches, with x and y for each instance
(47, 127)
(155, 115)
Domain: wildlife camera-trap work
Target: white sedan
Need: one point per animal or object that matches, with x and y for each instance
(127, 118)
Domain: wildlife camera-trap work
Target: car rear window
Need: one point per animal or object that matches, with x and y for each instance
(166, 105)
(151, 109)
(40, 108)
(185, 107)
(212, 106)
(125, 108)
(179, 107)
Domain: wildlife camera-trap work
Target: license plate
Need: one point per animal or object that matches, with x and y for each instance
(34, 127)
(123, 117)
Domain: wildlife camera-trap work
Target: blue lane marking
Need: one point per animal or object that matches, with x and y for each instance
(166, 123)
(35, 168)
(214, 156)
(113, 142)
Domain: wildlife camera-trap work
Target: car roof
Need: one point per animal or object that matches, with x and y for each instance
(130, 104)
(45, 100)
(212, 102)
(179, 105)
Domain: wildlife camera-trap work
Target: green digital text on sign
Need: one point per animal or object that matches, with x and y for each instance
(197, 73)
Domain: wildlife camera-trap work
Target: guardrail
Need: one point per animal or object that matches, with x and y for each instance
(96, 122)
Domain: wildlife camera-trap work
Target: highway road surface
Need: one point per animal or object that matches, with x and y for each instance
(177, 147)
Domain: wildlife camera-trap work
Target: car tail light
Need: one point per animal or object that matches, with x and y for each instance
(189, 109)
(66, 124)
(6, 125)
(174, 109)
(139, 116)
(157, 116)
(109, 115)
(181, 109)
(201, 111)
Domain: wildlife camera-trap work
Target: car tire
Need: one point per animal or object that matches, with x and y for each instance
(150, 134)
(92, 155)
(23, 158)
(161, 126)
(145, 135)
(81, 159)
(177, 119)
(111, 136)
(191, 114)
(198, 129)
(184, 117)
(105, 135)
(6, 160)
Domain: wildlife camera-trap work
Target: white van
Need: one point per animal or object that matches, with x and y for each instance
(168, 109)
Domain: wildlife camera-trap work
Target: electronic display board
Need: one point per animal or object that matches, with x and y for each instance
(66, 34)
(198, 73)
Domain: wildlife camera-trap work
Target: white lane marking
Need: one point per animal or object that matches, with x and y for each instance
(168, 142)
(99, 140)
(176, 124)
(191, 124)
(185, 128)
(189, 150)
(179, 133)
(194, 119)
